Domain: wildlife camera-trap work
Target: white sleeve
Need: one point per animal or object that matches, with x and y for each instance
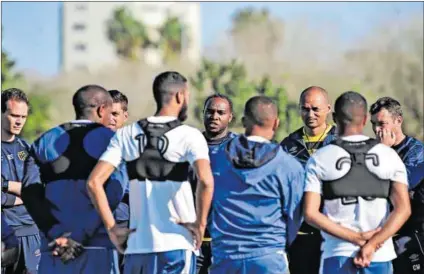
(113, 153)
(313, 182)
(197, 148)
(398, 170)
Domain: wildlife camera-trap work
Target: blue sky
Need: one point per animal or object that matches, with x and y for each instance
(31, 29)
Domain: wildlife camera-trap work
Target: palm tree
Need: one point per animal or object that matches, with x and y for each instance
(128, 34)
(172, 35)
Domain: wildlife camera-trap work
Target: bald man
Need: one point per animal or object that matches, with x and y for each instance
(74, 239)
(314, 108)
(356, 176)
(256, 208)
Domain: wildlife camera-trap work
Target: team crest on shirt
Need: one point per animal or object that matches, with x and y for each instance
(22, 155)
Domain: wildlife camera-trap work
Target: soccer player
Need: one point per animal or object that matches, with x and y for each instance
(314, 134)
(15, 164)
(119, 109)
(217, 116)
(256, 208)
(356, 176)
(118, 118)
(158, 151)
(387, 119)
(74, 239)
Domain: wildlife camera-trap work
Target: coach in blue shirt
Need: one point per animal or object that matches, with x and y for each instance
(15, 164)
(256, 208)
(387, 119)
(60, 204)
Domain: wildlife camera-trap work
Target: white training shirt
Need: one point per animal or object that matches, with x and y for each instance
(364, 215)
(157, 206)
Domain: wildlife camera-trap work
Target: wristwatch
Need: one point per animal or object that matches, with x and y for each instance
(4, 185)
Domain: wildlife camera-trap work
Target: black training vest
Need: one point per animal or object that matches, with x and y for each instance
(358, 181)
(74, 163)
(151, 164)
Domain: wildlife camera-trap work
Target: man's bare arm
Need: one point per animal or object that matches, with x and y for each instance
(95, 187)
(204, 190)
(314, 217)
(15, 188)
(397, 218)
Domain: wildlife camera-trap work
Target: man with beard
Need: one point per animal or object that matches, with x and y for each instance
(158, 151)
(387, 118)
(316, 133)
(217, 115)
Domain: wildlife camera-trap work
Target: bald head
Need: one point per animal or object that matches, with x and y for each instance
(261, 111)
(314, 92)
(88, 98)
(350, 109)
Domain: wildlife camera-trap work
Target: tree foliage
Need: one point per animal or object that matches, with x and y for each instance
(172, 33)
(231, 79)
(131, 36)
(128, 34)
(39, 118)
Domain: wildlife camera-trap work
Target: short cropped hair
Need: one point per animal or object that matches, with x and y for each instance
(391, 105)
(12, 94)
(119, 97)
(164, 86)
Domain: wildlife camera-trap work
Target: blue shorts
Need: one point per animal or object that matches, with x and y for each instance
(274, 263)
(345, 265)
(169, 262)
(104, 261)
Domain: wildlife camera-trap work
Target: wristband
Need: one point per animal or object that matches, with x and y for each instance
(5, 185)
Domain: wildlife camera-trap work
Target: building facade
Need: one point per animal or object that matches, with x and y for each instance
(84, 43)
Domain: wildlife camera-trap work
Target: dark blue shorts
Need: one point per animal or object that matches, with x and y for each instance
(28, 255)
(104, 261)
(169, 262)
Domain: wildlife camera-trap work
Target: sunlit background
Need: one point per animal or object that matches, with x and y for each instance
(50, 49)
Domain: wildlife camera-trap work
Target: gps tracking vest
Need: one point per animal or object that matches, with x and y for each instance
(359, 181)
(151, 164)
(69, 166)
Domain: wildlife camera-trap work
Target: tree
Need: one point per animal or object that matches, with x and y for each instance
(171, 37)
(250, 24)
(231, 79)
(128, 34)
(39, 119)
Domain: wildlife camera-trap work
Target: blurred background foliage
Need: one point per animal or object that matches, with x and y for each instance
(260, 54)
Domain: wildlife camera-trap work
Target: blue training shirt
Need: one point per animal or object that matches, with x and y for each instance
(15, 164)
(60, 203)
(257, 202)
(411, 151)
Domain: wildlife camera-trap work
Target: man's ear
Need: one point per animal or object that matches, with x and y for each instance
(179, 96)
(276, 124)
(125, 116)
(100, 111)
(244, 121)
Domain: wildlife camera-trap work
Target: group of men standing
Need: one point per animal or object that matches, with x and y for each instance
(328, 199)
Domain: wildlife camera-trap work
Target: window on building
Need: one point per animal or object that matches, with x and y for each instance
(80, 47)
(81, 6)
(79, 26)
